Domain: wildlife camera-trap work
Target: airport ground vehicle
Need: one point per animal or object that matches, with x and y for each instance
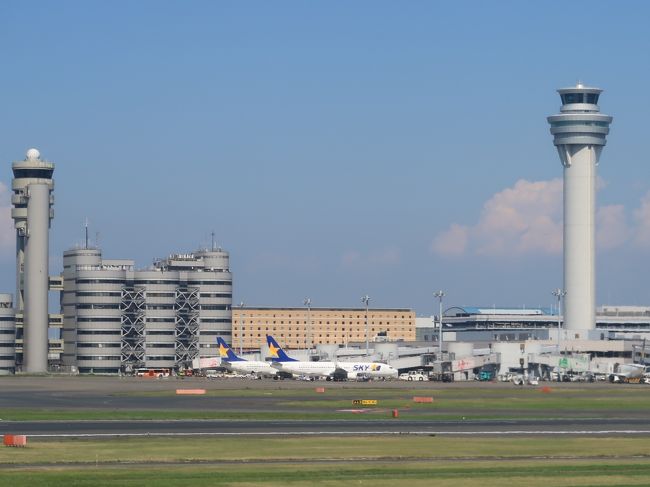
(414, 375)
(484, 375)
(157, 373)
(522, 379)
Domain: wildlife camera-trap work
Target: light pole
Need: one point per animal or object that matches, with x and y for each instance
(241, 327)
(559, 294)
(307, 302)
(440, 295)
(365, 300)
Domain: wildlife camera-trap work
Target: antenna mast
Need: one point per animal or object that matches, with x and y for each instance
(86, 227)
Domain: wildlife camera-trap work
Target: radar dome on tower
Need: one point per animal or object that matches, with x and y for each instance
(32, 155)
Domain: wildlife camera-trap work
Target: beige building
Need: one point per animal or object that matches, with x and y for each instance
(303, 328)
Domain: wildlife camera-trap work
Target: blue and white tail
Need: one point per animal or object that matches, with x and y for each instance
(277, 354)
(226, 353)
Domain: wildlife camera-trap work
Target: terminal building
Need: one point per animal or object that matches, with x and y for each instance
(519, 339)
(303, 328)
(469, 323)
(118, 319)
(7, 335)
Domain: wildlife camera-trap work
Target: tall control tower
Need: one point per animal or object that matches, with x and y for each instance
(579, 134)
(32, 213)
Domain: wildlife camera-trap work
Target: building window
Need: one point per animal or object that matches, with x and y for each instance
(571, 98)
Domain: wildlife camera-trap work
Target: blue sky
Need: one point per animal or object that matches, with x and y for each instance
(331, 146)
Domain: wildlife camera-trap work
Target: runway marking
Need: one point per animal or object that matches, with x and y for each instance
(351, 433)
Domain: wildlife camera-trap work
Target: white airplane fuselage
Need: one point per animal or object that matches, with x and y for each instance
(250, 367)
(374, 370)
(310, 369)
(328, 369)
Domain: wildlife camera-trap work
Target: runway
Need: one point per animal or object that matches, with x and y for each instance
(615, 426)
(573, 409)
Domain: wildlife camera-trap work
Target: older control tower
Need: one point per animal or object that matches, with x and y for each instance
(32, 213)
(579, 134)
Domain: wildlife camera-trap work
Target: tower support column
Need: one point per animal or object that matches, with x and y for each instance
(36, 274)
(579, 238)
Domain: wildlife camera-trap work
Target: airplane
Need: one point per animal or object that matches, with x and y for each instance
(327, 369)
(628, 373)
(237, 364)
(372, 370)
(282, 362)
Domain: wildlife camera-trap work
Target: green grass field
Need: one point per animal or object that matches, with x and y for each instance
(387, 461)
(181, 449)
(375, 461)
(334, 474)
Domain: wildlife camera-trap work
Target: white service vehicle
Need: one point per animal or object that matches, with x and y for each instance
(414, 375)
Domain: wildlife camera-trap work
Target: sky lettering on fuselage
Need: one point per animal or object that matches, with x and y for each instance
(364, 368)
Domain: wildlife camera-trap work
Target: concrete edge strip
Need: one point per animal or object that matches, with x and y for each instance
(348, 433)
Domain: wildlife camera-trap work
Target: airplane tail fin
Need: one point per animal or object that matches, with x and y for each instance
(277, 354)
(225, 352)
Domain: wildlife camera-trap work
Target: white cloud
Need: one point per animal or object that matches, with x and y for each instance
(7, 235)
(452, 242)
(527, 219)
(521, 219)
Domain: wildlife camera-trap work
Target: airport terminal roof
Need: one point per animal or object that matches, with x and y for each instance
(475, 310)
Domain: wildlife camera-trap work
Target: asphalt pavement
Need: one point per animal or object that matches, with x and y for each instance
(114, 394)
(587, 426)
